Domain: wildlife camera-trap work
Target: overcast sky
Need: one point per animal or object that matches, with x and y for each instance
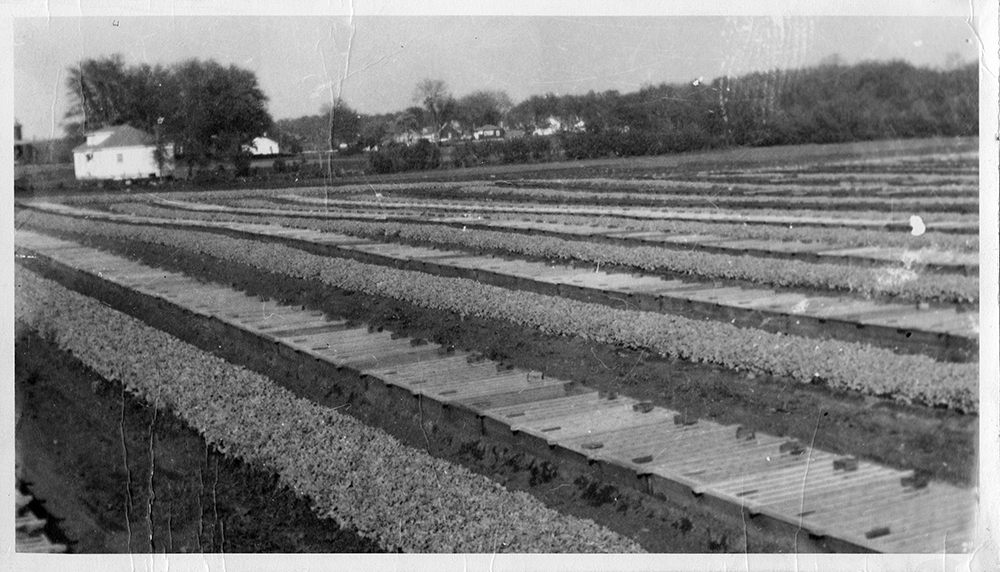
(374, 62)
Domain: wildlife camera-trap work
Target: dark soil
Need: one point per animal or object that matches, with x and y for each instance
(940, 442)
(119, 476)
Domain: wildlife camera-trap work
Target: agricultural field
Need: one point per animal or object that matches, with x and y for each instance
(776, 355)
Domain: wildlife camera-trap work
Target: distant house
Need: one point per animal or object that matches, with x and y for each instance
(555, 125)
(121, 153)
(262, 146)
(429, 134)
(488, 132)
(23, 152)
(449, 132)
(406, 137)
(412, 136)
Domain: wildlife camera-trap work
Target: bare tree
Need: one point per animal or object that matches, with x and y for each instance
(433, 94)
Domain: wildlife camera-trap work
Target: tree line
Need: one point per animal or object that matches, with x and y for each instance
(207, 110)
(210, 111)
(827, 103)
(434, 106)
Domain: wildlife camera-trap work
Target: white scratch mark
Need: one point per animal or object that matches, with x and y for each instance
(805, 475)
(982, 48)
(55, 96)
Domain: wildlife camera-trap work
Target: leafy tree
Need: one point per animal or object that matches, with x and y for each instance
(97, 94)
(307, 133)
(345, 124)
(216, 110)
(288, 142)
(830, 102)
(149, 89)
(104, 92)
(632, 111)
(206, 109)
(534, 112)
(374, 129)
(410, 119)
(332, 126)
(482, 107)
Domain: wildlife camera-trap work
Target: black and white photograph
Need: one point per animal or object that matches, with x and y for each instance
(378, 286)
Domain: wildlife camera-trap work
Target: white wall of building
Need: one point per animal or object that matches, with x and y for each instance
(120, 163)
(263, 146)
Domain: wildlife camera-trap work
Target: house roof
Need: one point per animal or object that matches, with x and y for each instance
(487, 128)
(121, 136)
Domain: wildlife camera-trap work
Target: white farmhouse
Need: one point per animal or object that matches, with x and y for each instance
(262, 146)
(488, 132)
(120, 153)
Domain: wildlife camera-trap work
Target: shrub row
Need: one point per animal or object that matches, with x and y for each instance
(894, 282)
(609, 143)
(842, 365)
(358, 476)
(395, 158)
(503, 152)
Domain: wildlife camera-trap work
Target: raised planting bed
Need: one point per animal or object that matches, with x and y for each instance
(355, 475)
(644, 250)
(244, 314)
(961, 224)
(947, 333)
(841, 237)
(936, 440)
